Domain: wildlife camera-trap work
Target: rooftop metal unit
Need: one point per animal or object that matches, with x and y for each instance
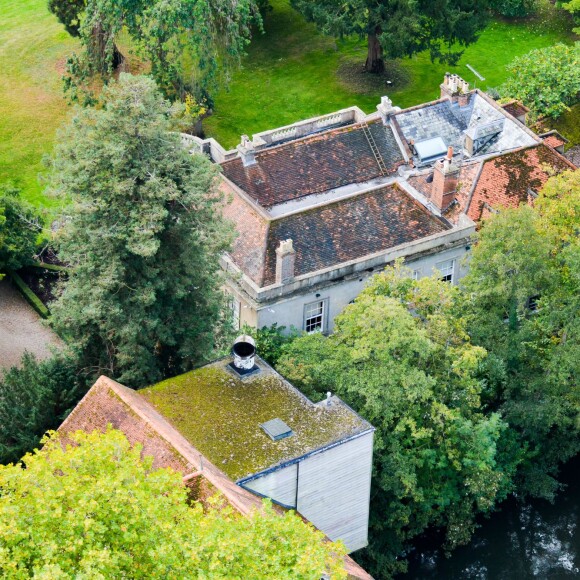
(431, 149)
(276, 429)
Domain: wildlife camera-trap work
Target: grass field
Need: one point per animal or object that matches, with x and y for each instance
(290, 73)
(33, 48)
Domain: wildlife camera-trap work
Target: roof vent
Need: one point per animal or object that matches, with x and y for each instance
(276, 429)
(244, 351)
(430, 149)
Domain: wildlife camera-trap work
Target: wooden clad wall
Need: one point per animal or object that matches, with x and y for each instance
(279, 485)
(334, 491)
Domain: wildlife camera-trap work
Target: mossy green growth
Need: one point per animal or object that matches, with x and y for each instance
(221, 415)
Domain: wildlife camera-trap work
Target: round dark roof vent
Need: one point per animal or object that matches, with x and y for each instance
(244, 351)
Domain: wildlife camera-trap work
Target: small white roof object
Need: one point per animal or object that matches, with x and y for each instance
(431, 149)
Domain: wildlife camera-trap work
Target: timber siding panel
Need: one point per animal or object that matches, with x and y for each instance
(278, 485)
(334, 491)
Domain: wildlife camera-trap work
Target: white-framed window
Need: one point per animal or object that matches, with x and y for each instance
(446, 269)
(235, 306)
(315, 316)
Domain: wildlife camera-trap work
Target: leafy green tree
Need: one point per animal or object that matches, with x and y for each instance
(402, 358)
(68, 13)
(514, 8)
(546, 79)
(98, 510)
(35, 397)
(186, 42)
(397, 28)
(523, 306)
(19, 229)
(144, 238)
(270, 340)
(573, 7)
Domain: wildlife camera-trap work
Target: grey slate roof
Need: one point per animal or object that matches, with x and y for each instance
(450, 121)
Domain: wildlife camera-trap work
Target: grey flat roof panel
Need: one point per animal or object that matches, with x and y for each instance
(276, 429)
(431, 148)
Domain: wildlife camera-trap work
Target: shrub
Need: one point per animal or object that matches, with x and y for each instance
(34, 398)
(270, 340)
(514, 8)
(19, 228)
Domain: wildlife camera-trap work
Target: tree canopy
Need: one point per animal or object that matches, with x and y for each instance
(546, 79)
(522, 304)
(19, 229)
(98, 510)
(397, 28)
(143, 236)
(402, 359)
(184, 41)
(35, 397)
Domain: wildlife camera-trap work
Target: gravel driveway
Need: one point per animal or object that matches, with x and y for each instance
(21, 328)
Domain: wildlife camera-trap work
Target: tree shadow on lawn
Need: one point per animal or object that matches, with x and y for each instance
(352, 75)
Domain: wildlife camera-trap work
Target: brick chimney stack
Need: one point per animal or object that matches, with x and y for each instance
(285, 260)
(445, 180)
(455, 89)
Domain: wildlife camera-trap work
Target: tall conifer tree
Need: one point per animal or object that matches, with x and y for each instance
(143, 237)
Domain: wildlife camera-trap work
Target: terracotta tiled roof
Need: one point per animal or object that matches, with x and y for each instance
(467, 175)
(249, 246)
(516, 109)
(350, 228)
(505, 180)
(315, 164)
(554, 139)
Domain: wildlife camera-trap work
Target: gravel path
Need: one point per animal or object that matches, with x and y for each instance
(21, 328)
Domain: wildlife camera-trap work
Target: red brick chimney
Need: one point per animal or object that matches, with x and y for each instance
(445, 179)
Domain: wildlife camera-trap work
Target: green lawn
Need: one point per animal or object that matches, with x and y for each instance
(290, 72)
(33, 48)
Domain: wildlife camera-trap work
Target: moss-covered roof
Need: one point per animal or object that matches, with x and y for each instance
(220, 414)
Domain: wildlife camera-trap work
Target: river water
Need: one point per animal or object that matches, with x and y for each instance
(535, 539)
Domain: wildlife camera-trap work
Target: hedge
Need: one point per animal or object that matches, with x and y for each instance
(30, 296)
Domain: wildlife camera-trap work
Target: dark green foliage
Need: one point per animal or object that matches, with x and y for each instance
(19, 229)
(143, 238)
(34, 398)
(30, 296)
(397, 28)
(68, 13)
(270, 340)
(514, 8)
(401, 357)
(523, 254)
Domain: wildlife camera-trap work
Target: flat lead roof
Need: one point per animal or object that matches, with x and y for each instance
(221, 414)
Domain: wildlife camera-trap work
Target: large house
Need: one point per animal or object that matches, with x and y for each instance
(238, 427)
(321, 205)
